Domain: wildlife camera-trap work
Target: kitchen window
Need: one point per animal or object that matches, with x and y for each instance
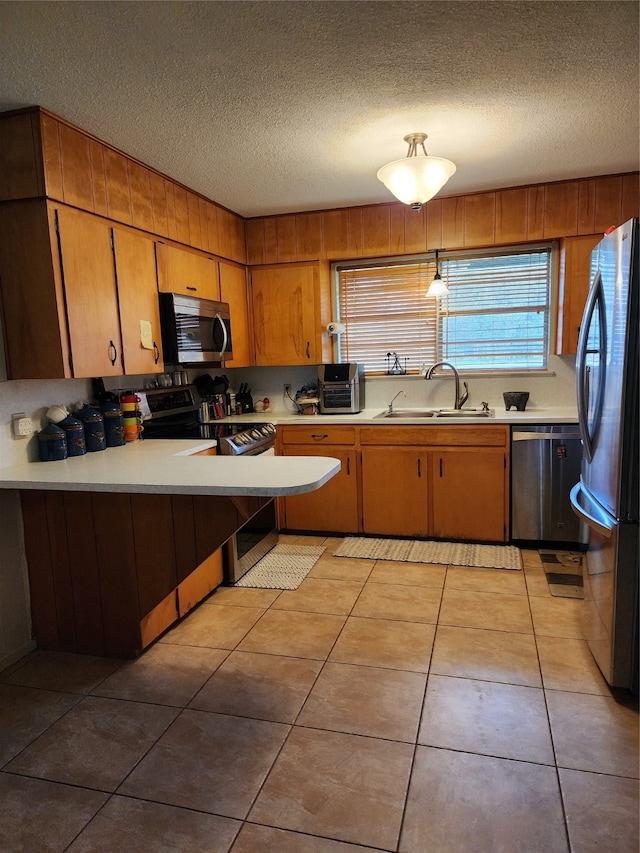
(495, 317)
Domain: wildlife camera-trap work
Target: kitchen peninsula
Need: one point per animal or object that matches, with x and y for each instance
(121, 544)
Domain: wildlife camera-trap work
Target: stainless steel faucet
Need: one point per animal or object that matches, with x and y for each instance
(460, 400)
(395, 398)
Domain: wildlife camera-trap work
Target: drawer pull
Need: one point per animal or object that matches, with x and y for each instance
(441, 466)
(195, 289)
(419, 467)
(348, 465)
(319, 436)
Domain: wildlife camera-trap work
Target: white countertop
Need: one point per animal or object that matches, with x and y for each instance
(168, 467)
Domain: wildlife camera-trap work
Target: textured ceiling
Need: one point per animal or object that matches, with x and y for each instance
(269, 107)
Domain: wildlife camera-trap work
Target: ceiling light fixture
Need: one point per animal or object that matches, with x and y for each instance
(437, 286)
(418, 177)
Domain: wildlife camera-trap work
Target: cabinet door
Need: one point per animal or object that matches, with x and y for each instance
(333, 507)
(90, 294)
(394, 491)
(138, 300)
(233, 289)
(283, 300)
(469, 494)
(575, 280)
(185, 272)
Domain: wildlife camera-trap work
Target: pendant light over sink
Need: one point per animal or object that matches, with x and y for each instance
(418, 177)
(437, 286)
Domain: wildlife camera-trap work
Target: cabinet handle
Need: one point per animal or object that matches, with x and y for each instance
(156, 353)
(112, 349)
(348, 465)
(195, 289)
(308, 349)
(319, 436)
(419, 467)
(441, 466)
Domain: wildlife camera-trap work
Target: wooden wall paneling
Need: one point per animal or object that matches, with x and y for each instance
(608, 203)
(415, 228)
(255, 241)
(203, 206)
(560, 209)
(155, 548)
(216, 519)
(172, 227)
(116, 560)
(141, 204)
(309, 236)
(535, 213)
(453, 222)
(76, 167)
(479, 219)
(193, 216)
(286, 238)
(182, 214)
(85, 580)
(60, 562)
(396, 228)
(159, 204)
(184, 533)
(630, 196)
(238, 239)
(224, 231)
(376, 230)
(213, 235)
(355, 232)
(335, 233)
(98, 180)
(270, 240)
(586, 206)
(511, 215)
(434, 224)
(41, 583)
(118, 194)
(50, 144)
(20, 171)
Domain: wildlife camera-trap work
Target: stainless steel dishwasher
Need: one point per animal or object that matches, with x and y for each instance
(545, 465)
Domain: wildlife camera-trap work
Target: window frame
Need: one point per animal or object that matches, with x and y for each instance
(443, 255)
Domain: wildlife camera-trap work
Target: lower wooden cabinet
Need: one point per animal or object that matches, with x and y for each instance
(108, 573)
(431, 482)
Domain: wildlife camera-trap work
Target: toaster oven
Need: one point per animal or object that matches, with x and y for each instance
(341, 388)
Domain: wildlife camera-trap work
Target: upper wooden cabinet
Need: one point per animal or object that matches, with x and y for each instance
(43, 155)
(72, 306)
(189, 273)
(286, 321)
(575, 276)
(233, 290)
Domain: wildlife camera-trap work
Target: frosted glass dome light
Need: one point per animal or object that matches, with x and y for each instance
(417, 177)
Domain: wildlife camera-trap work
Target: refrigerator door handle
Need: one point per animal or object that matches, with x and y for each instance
(593, 514)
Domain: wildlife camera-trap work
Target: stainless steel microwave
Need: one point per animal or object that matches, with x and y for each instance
(194, 331)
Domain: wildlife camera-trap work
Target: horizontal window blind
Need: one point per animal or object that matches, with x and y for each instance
(495, 316)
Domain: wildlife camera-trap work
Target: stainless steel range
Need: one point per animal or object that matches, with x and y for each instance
(173, 413)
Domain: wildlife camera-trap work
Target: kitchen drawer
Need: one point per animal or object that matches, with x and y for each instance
(317, 434)
(433, 436)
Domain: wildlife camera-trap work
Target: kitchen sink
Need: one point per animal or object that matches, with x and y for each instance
(438, 413)
(408, 413)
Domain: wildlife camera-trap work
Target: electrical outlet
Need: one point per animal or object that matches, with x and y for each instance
(287, 389)
(22, 425)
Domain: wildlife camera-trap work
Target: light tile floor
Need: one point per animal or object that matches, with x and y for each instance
(381, 706)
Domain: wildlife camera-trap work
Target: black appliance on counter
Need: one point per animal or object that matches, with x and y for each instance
(341, 388)
(172, 413)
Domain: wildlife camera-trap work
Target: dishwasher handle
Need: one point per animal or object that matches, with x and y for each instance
(545, 436)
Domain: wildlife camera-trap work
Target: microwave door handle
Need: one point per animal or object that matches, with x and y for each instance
(224, 335)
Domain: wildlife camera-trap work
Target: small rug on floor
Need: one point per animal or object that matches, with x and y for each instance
(284, 567)
(417, 551)
(563, 570)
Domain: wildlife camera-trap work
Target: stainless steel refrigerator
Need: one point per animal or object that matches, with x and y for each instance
(606, 497)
